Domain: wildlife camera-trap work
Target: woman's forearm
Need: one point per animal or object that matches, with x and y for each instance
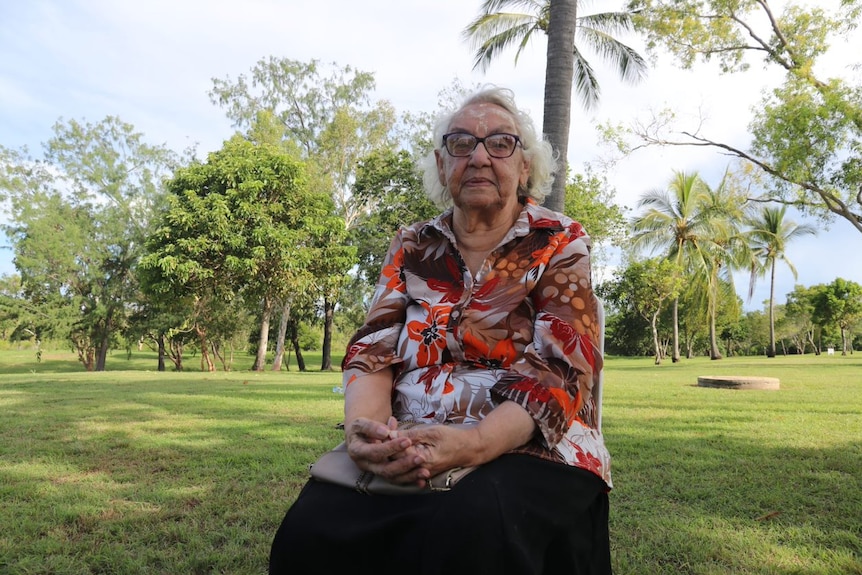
(507, 426)
(370, 397)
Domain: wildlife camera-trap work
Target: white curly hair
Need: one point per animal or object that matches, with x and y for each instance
(536, 150)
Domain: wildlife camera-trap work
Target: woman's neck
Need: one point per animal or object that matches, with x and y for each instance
(478, 234)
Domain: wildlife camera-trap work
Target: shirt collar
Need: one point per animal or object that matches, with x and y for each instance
(532, 217)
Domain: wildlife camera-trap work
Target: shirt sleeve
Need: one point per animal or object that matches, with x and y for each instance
(554, 379)
(373, 347)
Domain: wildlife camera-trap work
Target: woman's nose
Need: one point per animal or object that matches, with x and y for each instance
(480, 156)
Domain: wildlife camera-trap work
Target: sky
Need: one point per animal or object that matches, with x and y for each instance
(152, 63)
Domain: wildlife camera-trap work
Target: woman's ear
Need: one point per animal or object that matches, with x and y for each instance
(524, 177)
(441, 173)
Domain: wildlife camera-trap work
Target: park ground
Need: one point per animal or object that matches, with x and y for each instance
(133, 471)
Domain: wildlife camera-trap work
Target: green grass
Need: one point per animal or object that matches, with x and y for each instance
(138, 472)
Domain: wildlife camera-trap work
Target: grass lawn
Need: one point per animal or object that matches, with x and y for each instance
(131, 471)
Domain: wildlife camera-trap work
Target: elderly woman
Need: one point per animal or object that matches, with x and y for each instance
(485, 317)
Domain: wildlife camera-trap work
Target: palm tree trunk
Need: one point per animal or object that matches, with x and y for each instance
(675, 357)
(771, 351)
(559, 73)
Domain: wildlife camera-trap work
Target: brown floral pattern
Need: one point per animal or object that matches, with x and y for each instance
(522, 330)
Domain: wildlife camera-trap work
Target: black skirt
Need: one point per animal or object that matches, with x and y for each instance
(518, 514)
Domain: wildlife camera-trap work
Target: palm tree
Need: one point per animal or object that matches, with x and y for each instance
(769, 233)
(675, 221)
(495, 30)
(723, 251)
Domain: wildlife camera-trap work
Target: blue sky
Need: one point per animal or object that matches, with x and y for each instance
(151, 63)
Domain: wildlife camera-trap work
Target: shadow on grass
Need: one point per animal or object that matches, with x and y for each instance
(702, 499)
(185, 477)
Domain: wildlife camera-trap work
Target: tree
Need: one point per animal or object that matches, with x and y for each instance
(590, 201)
(768, 235)
(807, 133)
(328, 114)
(495, 30)
(644, 286)
(77, 223)
(242, 224)
(390, 180)
(800, 307)
(674, 221)
(723, 251)
(839, 303)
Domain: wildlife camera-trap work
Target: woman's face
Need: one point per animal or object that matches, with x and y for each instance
(478, 181)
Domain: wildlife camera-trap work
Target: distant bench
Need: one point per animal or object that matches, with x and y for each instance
(738, 382)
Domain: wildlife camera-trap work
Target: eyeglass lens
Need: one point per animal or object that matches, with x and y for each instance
(497, 145)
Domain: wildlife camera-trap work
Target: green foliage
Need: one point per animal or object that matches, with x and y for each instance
(495, 30)
(324, 112)
(390, 182)
(77, 223)
(642, 287)
(838, 304)
(807, 134)
(590, 201)
(246, 225)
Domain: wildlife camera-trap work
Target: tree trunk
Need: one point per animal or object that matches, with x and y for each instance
(160, 341)
(655, 341)
(206, 360)
(770, 352)
(102, 355)
(279, 342)
(175, 348)
(328, 312)
(104, 337)
(714, 352)
(813, 345)
(675, 357)
(263, 341)
(300, 361)
(559, 73)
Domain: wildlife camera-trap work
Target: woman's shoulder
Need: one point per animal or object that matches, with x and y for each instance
(547, 219)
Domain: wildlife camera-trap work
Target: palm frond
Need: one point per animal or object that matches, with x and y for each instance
(496, 37)
(631, 66)
(586, 83)
(533, 6)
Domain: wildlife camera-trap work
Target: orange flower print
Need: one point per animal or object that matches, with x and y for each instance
(394, 272)
(354, 350)
(430, 334)
(576, 230)
(501, 356)
(565, 334)
(429, 376)
(451, 288)
(570, 407)
(535, 392)
(588, 461)
(542, 256)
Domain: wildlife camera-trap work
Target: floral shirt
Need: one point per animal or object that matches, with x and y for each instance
(524, 329)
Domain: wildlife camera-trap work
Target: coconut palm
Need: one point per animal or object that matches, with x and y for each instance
(723, 250)
(674, 221)
(495, 30)
(769, 233)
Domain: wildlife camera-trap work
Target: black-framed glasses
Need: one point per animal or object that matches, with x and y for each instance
(462, 144)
